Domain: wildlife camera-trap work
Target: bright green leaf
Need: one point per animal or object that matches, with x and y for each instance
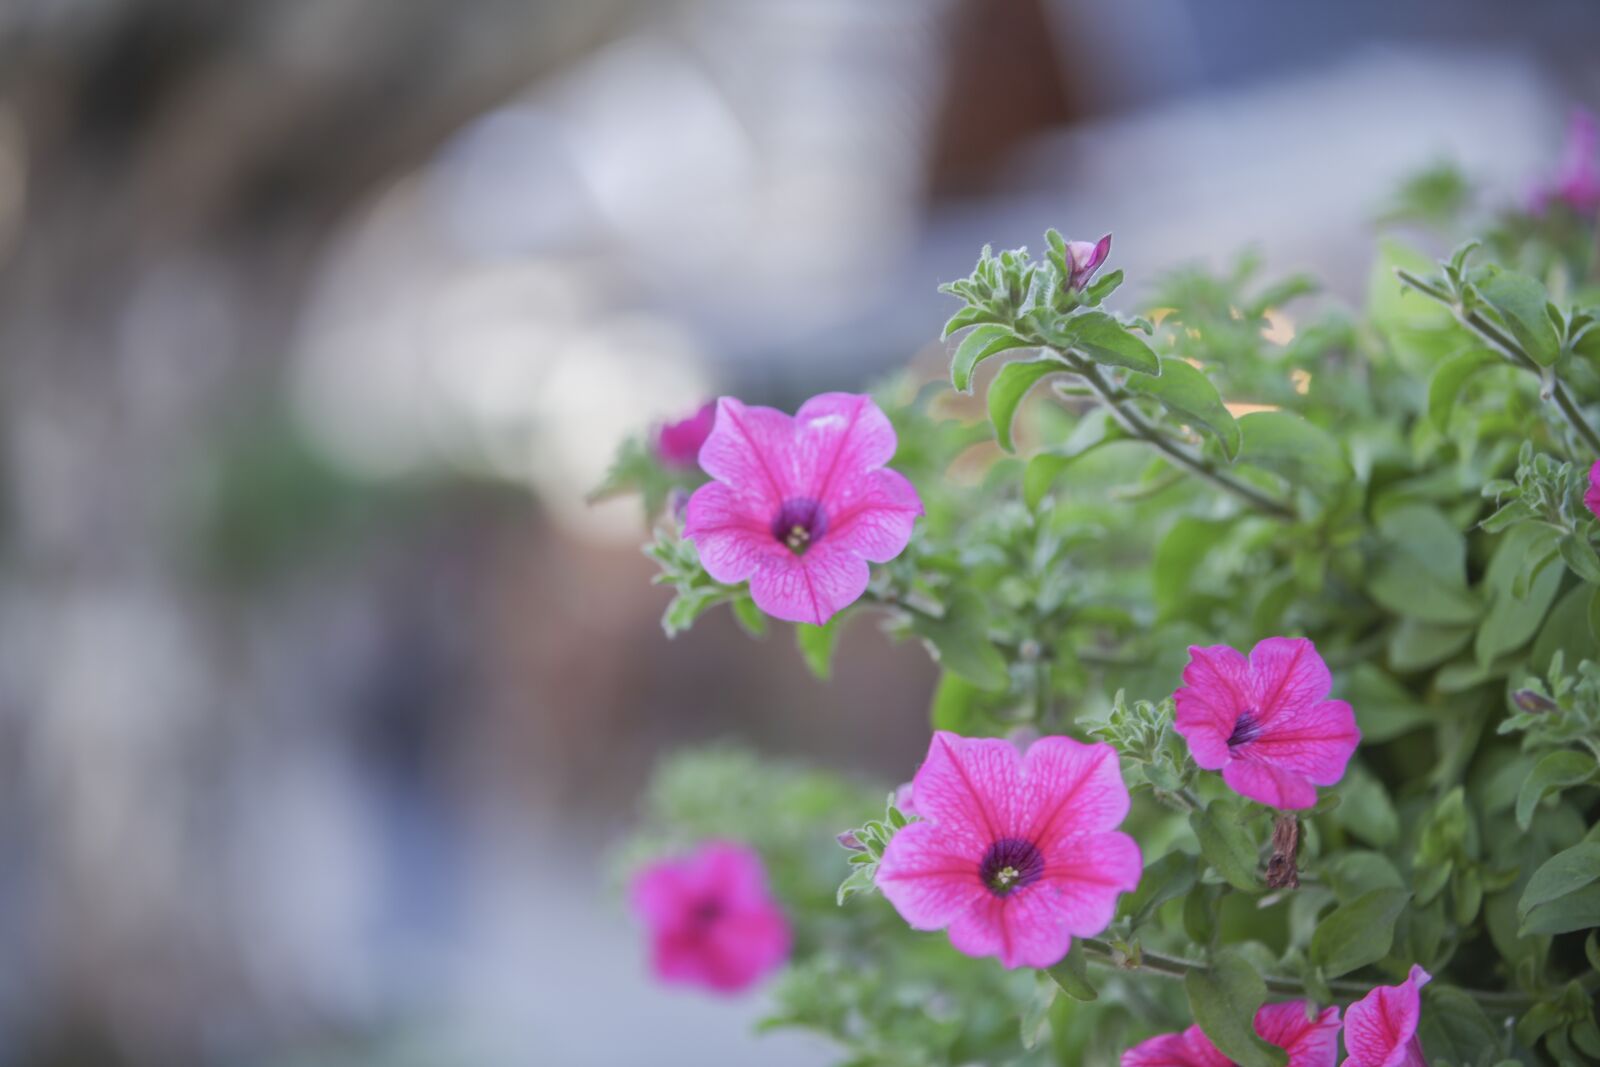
(1105, 340)
(1010, 386)
(978, 345)
(1290, 446)
(960, 641)
(817, 644)
(1072, 974)
(1189, 394)
(1449, 379)
(1520, 301)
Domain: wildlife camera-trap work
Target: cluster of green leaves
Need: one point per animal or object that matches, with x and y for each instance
(1404, 486)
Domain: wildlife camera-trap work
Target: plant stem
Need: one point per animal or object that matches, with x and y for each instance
(1140, 427)
(1508, 347)
(1177, 968)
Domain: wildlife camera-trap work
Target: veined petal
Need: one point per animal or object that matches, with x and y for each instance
(1591, 498)
(1270, 785)
(751, 449)
(1033, 930)
(837, 436)
(1380, 1028)
(930, 876)
(1315, 741)
(871, 513)
(1288, 674)
(731, 532)
(1202, 1052)
(1309, 1042)
(1168, 1050)
(1083, 876)
(1218, 688)
(810, 587)
(1072, 788)
(971, 787)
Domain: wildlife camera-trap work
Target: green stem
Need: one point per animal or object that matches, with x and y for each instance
(1140, 427)
(1508, 347)
(1176, 967)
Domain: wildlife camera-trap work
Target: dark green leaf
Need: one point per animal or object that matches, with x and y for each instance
(1521, 301)
(1105, 340)
(1072, 974)
(960, 641)
(1512, 620)
(1168, 878)
(1552, 774)
(1227, 846)
(817, 644)
(1422, 571)
(1358, 933)
(1578, 910)
(1224, 1001)
(1561, 874)
(979, 344)
(1189, 394)
(1010, 386)
(1454, 1028)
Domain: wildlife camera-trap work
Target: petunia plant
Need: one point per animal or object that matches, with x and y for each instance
(1267, 728)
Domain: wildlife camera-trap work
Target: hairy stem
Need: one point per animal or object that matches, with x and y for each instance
(1099, 951)
(1508, 347)
(1140, 427)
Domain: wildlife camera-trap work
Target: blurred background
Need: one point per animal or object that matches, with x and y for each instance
(323, 691)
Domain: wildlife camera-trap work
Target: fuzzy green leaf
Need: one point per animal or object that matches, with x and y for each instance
(1105, 340)
(1010, 386)
(1189, 394)
(1520, 301)
(979, 344)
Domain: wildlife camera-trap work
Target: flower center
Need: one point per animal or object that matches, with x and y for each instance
(1245, 729)
(799, 524)
(1010, 864)
(705, 913)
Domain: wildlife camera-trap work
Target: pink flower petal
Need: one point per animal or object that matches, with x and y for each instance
(1085, 873)
(678, 443)
(1288, 673)
(1202, 1053)
(1021, 929)
(1309, 1042)
(930, 876)
(873, 513)
(1167, 1050)
(1270, 785)
(731, 531)
(1074, 785)
(1315, 742)
(1591, 499)
(1380, 1029)
(838, 435)
(971, 786)
(746, 450)
(810, 587)
(1218, 686)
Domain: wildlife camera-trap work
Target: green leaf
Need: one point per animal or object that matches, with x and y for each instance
(1367, 810)
(1563, 873)
(1579, 910)
(1422, 573)
(817, 644)
(960, 641)
(1358, 933)
(1227, 846)
(1455, 1029)
(1450, 378)
(1224, 1001)
(971, 315)
(1384, 708)
(1552, 774)
(1416, 644)
(1037, 1014)
(1105, 340)
(750, 618)
(960, 707)
(1010, 386)
(979, 344)
(1511, 621)
(1520, 301)
(1072, 974)
(1580, 556)
(1095, 429)
(1168, 878)
(1189, 394)
(1290, 446)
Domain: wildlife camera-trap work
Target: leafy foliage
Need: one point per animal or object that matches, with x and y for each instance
(1405, 486)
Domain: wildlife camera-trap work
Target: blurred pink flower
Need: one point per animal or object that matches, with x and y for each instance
(1577, 182)
(1084, 258)
(1309, 1042)
(1015, 854)
(678, 443)
(1380, 1029)
(800, 505)
(711, 919)
(1265, 722)
(1591, 499)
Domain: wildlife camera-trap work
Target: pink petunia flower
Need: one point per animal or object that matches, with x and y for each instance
(1591, 499)
(1577, 182)
(1084, 258)
(1265, 722)
(1309, 1042)
(712, 921)
(800, 505)
(678, 443)
(1380, 1029)
(1016, 855)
